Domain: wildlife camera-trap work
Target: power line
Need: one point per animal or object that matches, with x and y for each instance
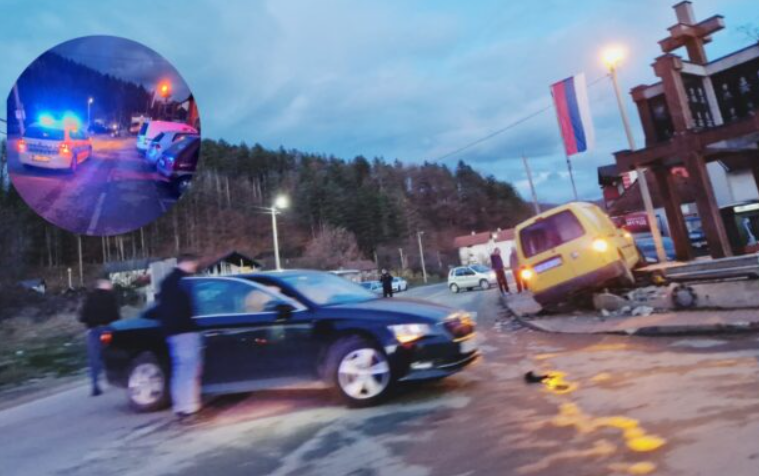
(508, 127)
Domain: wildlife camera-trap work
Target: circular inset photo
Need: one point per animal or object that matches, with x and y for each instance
(103, 135)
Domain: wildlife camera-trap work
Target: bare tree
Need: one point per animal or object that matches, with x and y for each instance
(750, 31)
(332, 248)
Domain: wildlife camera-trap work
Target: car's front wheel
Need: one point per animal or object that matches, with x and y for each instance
(359, 372)
(484, 284)
(147, 383)
(455, 288)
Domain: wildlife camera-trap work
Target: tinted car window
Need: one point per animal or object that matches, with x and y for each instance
(328, 289)
(36, 132)
(144, 128)
(78, 134)
(230, 297)
(550, 232)
(159, 137)
(178, 146)
(480, 268)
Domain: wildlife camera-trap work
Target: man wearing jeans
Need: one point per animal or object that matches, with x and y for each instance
(175, 311)
(99, 310)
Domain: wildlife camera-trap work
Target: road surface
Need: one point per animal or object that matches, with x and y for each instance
(625, 405)
(111, 193)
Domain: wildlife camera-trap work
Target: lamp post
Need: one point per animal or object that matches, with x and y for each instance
(421, 255)
(280, 203)
(89, 106)
(612, 57)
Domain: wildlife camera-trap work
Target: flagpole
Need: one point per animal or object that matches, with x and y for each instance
(566, 155)
(532, 185)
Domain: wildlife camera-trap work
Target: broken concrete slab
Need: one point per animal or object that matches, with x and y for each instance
(522, 304)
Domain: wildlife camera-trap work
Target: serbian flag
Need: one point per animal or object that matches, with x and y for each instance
(570, 98)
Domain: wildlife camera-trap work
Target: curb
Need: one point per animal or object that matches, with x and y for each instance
(649, 331)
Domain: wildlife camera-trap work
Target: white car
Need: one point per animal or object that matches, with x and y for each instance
(399, 284)
(150, 129)
(470, 277)
(54, 145)
(373, 286)
(161, 142)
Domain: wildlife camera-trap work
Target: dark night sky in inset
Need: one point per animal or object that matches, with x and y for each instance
(124, 59)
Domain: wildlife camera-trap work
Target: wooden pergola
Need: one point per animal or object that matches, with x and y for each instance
(700, 112)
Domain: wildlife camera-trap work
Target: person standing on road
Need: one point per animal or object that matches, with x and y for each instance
(496, 262)
(514, 265)
(175, 311)
(387, 283)
(100, 309)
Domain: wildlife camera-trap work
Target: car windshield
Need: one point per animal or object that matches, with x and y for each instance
(180, 145)
(144, 128)
(159, 137)
(480, 268)
(550, 232)
(327, 289)
(45, 133)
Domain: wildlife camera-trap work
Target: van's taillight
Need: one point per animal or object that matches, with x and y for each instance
(600, 245)
(106, 337)
(526, 274)
(21, 145)
(64, 148)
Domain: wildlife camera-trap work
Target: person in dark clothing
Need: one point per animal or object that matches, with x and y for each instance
(100, 309)
(496, 262)
(514, 265)
(387, 283)
(175, 311)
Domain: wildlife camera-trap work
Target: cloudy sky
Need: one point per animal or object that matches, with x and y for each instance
(412, 80)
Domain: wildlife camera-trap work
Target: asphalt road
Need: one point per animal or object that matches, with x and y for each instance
(111, 193)
(625, 405)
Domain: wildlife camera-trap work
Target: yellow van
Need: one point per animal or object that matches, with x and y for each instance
(572, 248)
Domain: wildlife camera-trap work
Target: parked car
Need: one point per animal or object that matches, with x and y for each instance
(399, 284)
(646, 247)
(162, 142)
(289, 328)
(150, 129)
(54, 145)
(470, 277)
(573, 248)
(373, 286)
(177, 164)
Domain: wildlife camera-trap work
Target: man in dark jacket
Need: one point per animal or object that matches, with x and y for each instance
(100, 309)
(514, 265)
(496, 263)
(175, 311)
(387, 283)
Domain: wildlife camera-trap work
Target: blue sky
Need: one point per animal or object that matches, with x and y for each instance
(411, 80)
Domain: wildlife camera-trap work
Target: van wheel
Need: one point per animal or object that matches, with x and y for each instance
(484, 284)
(147, 383)
(359, 372)
(454, 288)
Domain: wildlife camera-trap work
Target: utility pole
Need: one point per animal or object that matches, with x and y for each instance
(641, 172)
(277, 265)
(81, 263)
(403, 263)
(421, 255)
(535, 204)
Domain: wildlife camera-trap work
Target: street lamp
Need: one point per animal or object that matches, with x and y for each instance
(421, 254)
(280, 203)
(612, 56)
(89, 105)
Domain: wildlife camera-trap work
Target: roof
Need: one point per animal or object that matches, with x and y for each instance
(231, 257)
(483, 238)
(608, 174)
(128, 265)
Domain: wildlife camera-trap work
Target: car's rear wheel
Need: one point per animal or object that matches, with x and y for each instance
(359, 372)
(484, 284)
(147, 384)
(455, 288)
(182, 185)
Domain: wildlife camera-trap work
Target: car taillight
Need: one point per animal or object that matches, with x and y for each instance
(526, 274)
(64, 148)
(21, 145)
(106, 337)
(600, 245)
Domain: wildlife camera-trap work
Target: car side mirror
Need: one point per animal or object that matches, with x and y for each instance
(284, 310)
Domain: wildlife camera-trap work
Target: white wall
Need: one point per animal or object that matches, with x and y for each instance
(480, 254)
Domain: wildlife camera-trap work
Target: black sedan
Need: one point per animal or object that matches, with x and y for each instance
(295, 328)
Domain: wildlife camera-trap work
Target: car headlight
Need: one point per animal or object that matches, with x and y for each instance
(405, 333)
